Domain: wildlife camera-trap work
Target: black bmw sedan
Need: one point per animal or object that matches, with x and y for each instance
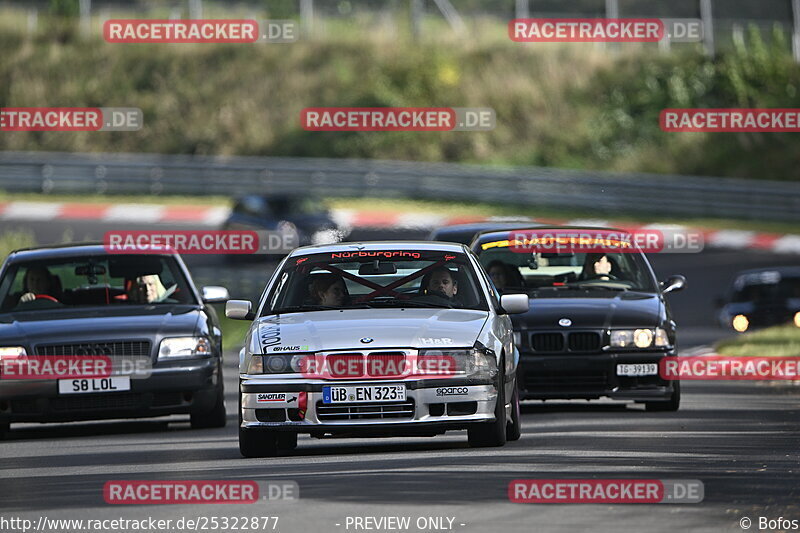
(598, 323)
(139, 313)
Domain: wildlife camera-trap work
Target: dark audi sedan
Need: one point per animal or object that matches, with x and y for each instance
(141, 314)
(598, 323)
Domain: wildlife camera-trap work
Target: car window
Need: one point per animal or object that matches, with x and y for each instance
(376, 279)
(529, 271)
(93, 281)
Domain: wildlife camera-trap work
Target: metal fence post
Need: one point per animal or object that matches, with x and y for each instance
(612, 12)
(796, 32)
(85, 7)
(707, 16)
(195, 9)
(307, 16)
(523, 9)
(416, 19)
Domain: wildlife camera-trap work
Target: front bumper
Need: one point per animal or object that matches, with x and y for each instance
(179, 387)
(591, 376)
(431, 406)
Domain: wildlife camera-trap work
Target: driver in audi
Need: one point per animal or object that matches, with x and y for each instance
(37, 282)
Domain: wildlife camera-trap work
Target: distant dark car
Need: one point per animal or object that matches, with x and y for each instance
(307, 217)
(465, 233)
(587, 336)
(142, 312)
(761, 298)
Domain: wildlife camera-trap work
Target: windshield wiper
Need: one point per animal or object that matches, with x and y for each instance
(395, 302)
(315, 307)
(599, 286)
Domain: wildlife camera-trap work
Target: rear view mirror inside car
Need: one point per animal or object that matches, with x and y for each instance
(134, 266)
(90, 269)
(377, 268)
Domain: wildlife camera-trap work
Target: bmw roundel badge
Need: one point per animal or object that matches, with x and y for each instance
(367, 340)
(565, 322)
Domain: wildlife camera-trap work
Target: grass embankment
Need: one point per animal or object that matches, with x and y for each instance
(778, 341)
(574, 106)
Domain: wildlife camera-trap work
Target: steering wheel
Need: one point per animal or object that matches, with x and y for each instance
(611, 277)
(45, 297)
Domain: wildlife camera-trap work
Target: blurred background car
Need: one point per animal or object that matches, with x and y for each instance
(307, 217)
(761, 298)
(464, 233)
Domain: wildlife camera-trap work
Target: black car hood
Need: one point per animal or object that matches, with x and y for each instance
(96, 323)
(591, 310)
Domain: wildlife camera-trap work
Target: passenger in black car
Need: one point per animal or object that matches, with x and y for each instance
(599, 266)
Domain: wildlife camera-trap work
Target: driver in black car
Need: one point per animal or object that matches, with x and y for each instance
(598, 266)
(38, 283)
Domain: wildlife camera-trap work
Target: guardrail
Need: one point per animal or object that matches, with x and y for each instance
(116, 174)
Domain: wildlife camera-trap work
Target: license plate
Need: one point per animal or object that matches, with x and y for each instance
(84, 386)
(644, 369)
(364, 393)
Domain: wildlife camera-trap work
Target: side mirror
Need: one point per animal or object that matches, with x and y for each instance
(213, 294)
(514, 304)
(673, 283)
(238, 309)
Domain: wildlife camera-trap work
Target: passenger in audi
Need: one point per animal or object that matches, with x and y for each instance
(148, 289)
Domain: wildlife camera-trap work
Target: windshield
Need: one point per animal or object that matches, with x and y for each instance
(375, 279)
(93, 281)
(765, 287)
(527, 272)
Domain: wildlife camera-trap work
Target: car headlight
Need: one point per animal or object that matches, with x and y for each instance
(277, 363)
(797, 319)
(184, 347)
(740, 323)
(639, 338)
(12, 351)
(477, 363)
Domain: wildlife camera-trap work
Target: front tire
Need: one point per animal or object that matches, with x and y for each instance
(492, 434)
(258, 443)
(514, 427)
(216, 417)
(673, 404)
